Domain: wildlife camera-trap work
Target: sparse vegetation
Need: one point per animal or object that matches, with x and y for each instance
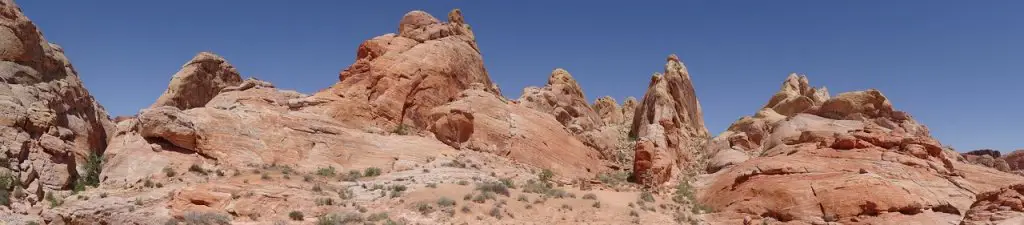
(597, 204)
(326, 172)
(148, 183)
(207, 218)
(508, 182)
(352, 175)
(377, 216)
(401, 129)
(523, 198)
(468, 196)
(196, 168)
(432, 185)
(495, 212)
(445, 202)
(265, 176)
(463, 182)
(454, 163)
(566, 207)
(6, 182)
(54, 202)
(307, 178)
(545, 175)
(590, 196)
(493, 187)
(103, 195)
(93, 166)
(646, 196)
(465, 209)
(613, 178)
(324, 201)
(372, 172)
(633, 213)
(424, 208)
(296, 215)
(317, 188)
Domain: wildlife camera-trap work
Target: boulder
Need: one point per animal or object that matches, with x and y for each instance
(669, 126)
(198, 81)
(563, 98)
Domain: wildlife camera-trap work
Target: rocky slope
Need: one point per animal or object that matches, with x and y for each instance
(851, 159)
(415, 132)
(49, 124)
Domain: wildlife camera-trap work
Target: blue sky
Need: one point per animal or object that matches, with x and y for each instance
(954, 65)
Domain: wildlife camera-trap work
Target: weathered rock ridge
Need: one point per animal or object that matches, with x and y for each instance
(198, 81)
(49, 123)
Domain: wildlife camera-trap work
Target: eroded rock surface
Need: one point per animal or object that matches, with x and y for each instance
(49, 123)
(851, 159)
(669, 126)
(198, 81)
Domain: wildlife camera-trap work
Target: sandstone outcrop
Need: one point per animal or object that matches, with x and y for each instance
(987, 157)
(480, 121)
(563, 98)
(852, 159)
(398, 78)
(198, 81)
(1015, 160)
(609, 111)
(669, 126)
(49, 123)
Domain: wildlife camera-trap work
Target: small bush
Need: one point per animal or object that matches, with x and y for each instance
(265, 176)
(6, 182)
(377, 216)
(633, 213)
(545, 175)
(465, 209)
(495, 212)
(646, 196)
(432, 185)
(208, 218)
(463, 182)
(103, 195)
(590, 196)
(445, 202)
(307, 178)
(494, 187)
(371, 172)
(324, 201)
(54, 202)
(401, 129)
(352, 175)
(317, 188)
(195, 168)
(93, 166)
(148, 183)
(597, 205)
(566, 207)
(424, 208)
(508, 182)
(331, 219)
(326, 172)
(468, 196)
(296, 215)
(287, 170)
(523, 198)
(454, 163)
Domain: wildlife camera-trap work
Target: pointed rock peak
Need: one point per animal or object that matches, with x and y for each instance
(198, 81)
(796, 96)
(561, 76)
(455, 16)
(674, 65)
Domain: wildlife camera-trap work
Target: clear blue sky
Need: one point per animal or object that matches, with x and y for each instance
(955, 65)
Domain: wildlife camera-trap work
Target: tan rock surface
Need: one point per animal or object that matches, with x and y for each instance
(198, 81)
(853, 159)
(669, 126)
(399, 78)
(49, 123)
(563, 98)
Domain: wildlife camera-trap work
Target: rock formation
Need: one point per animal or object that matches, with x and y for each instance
(608, 110)
(198, 81)
(563, 98)
(669, 126)
(480, 121)
(849, 159)
(49, 123)
(398, 78)
(1015, 159)
(987, 157)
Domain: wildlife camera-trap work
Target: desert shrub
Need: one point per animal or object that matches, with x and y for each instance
(377, 216)
(454, 163)
(352, 175)
(523, 198)
(597, 205)
(208, 218)
(317, 188)
(646, 196)
(326, 172)
(401, 129)
(296, 215)
(324, 201)
(424, 208)
(445, 202)
(195, 168)
(432, 185)
(371, 172)
(495, 212)
(463, 182)
(590, 196)
(545, 175)
(93, 166)
(493, 187)
(508, 182)
(7, 181)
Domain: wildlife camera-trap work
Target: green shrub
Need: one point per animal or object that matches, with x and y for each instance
(646, 196)
(424, 208)
(7, 180)
(508, 182)
(208, 218)
(296, 215)
(93, 166)
(352, 175)
(545, 175)
(169, 172)
(445, 202)
(371, 172)
(195, 168)
(493, 187)
(401, 129)
(326, 172)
